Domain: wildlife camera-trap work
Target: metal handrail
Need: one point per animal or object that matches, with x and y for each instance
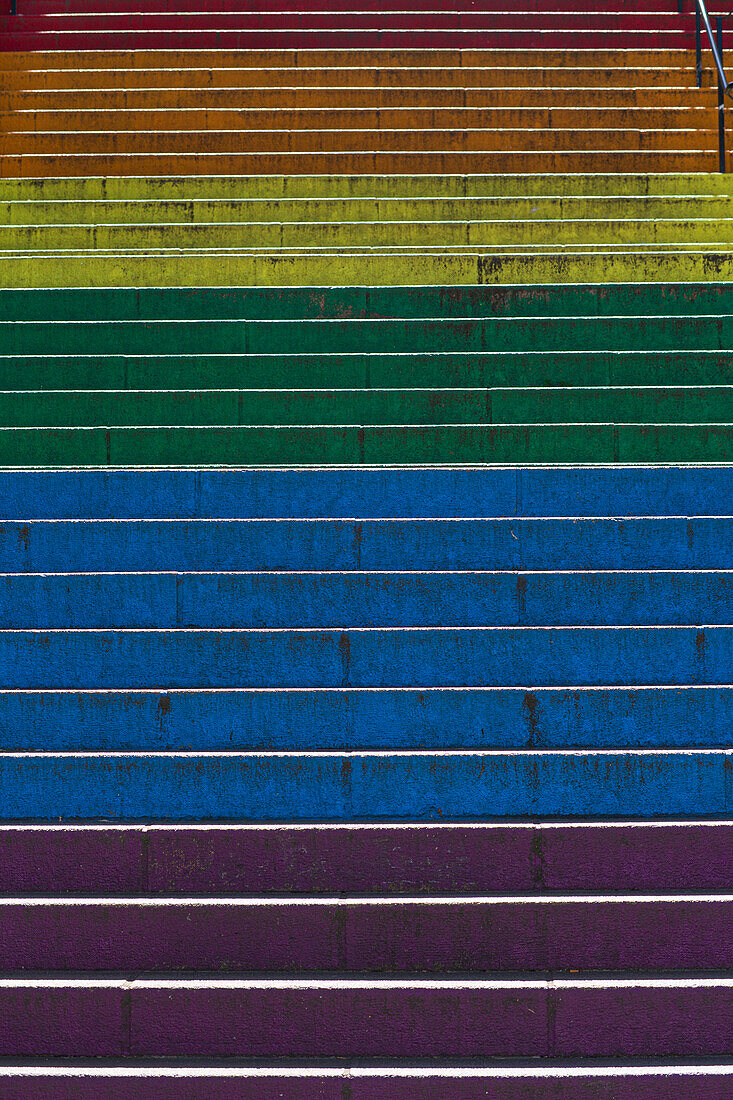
(726, 84)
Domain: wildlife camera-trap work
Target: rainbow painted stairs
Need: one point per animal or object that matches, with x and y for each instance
(366, 553)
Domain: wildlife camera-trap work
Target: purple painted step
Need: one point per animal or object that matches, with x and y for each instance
(363, 860)
(389, 937)
(412, 1023)
(640, 1084)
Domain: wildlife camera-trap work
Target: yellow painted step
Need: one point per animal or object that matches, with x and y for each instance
(337, 211)
(274, 187)
(375, 269)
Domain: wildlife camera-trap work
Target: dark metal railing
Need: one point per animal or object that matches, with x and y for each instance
(725, 87)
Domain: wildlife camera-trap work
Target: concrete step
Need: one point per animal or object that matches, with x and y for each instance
(367, 494)
(697, 186)
(367, 861)
(340, 96)
(694, 303)
(94, 119)
(640, 155)
(366, 444)
(660, 934)
(364, 599)
(364, 336)
(465, 1018)
(426, 545)
(409, 720)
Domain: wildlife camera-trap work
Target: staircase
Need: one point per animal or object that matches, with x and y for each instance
(366, 553)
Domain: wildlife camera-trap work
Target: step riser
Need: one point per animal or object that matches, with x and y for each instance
(334, 304)
(420, 788)
(375, 370)
(342, 187)
(653, 25)
(366, 143)
(95, 120)
(486, 657)
(295, 446)
(415, 1023)
(367, 1085)
(374, 59)
(189, 545)
(305, 39)
(34, 165)
(386, 600)
(679, 101)
(254, 494)
(366, 336)
(348, 721)
(400, 409)
(217, 861)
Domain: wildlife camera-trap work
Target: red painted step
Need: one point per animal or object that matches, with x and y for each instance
(304, 7)
(346, 40)
(494, 22)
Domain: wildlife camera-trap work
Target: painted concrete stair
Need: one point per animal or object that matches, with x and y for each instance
(365, 231)
(525, 948)
(405, 720)
(377, 405)
(381, 110)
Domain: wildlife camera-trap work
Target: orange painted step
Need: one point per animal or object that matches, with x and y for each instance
(399, 77)
(387, 163)
(512, 121)
(307, 99)
(356, 141)
(114, 60)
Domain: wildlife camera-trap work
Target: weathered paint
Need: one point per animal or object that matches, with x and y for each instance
(702, 1083)
(385, 493)
(367, 657)
(363, 860)
(468, 786)
(275, 545)
(450, 936)
(212, 720)
(309, 1022)
(363, 599)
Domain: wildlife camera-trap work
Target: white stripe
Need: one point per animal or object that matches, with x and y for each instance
(447, 902)
(357, 1072)
(377, 826)
(254, 754)
(348, 983)
(345, 629)
(519, 572)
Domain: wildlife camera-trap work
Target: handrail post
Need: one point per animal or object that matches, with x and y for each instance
(721, 99)
(698, 46)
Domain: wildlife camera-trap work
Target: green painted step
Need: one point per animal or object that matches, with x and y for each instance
(365, 371)
(292, 187)
(695, 405)
(617, 208)
(263, 446)
(711, 332)
(315, 303)
(443, 234)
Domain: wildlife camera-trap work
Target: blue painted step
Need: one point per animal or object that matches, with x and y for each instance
(352, 719)
(480, 657)
(410, 787)
(365, 493)
(665, 542)
(396, 599)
